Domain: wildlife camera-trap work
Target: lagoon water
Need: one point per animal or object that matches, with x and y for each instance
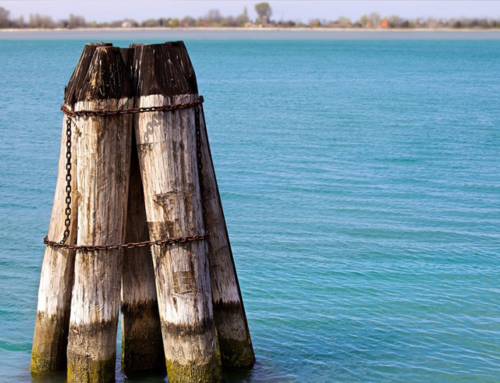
(361, 185)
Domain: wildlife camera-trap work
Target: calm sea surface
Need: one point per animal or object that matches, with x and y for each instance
(361, 184)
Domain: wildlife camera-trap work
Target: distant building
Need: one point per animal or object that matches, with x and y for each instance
(384, 24)
(127, 24)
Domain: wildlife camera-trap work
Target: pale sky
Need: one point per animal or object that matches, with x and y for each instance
(298, 10)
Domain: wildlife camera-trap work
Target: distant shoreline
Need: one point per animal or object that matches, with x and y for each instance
(255, 29)
(245, 34)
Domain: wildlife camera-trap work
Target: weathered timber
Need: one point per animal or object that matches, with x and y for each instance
(72, 92)
(103, 160)
(56, 281)
(142, 346)
(233, 333)
(128, 59)
(166, 146)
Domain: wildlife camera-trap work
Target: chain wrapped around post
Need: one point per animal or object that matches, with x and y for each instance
(67, 211)
(169, 241)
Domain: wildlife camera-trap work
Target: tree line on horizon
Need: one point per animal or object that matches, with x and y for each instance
(214, 19)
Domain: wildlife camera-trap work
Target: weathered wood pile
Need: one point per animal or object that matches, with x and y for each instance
(140, 175)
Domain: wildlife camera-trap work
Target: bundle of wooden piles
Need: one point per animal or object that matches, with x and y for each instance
(139, 176)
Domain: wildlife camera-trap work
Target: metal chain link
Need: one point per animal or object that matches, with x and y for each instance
(67, 211)
(67, 223)
(164, 108)
(131, 245)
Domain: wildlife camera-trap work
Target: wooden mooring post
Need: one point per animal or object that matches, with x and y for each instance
(166, 144)
(56, 281)
(142, 346)
(144, 217)
(103, 168)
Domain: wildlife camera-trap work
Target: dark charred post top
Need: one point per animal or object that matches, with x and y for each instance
(166, 69)
(107, 77)
(80, 72)
(163, 69)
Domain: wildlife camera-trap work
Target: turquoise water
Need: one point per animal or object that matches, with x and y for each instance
(361, 185)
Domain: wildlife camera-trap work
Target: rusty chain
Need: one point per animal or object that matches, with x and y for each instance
(67, 211)
(164, 108)
(132, 245)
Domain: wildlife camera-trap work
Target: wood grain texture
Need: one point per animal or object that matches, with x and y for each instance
(56, 281)
(166, 149)
(229, 313)
(103, 161)
(167, 156)
(142, 346)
